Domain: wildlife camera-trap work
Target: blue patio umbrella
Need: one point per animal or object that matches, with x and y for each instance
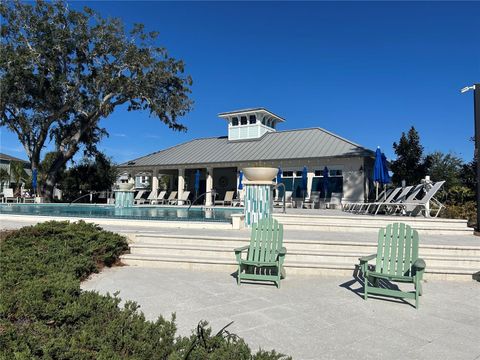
(325, 181)
(34, 180)
(379, 170)
(197, 182)
(240, 180)
(304, 180)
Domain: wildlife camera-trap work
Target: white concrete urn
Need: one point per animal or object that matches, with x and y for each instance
(260, 174)
(125, 186)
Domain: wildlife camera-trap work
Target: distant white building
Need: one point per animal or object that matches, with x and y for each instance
(5, 163)
(253, 140)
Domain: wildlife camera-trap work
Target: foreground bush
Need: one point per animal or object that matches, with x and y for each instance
(45, 315)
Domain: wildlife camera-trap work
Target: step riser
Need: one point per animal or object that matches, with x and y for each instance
(371, 220)
(370, 229)
(304, 247)
(300, 258)
(231, 269)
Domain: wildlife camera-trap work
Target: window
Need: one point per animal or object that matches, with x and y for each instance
(331, 173)
(252, 119)
(325, 187)
(234, 121)
(243, 120)
(299, 173)
(288, 174)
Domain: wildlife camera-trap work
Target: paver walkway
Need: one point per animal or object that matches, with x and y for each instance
(309, 317)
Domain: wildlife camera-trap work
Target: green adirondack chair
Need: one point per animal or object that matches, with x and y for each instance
(396, 260)
(265, 255)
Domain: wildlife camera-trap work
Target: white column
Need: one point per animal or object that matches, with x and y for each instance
(155, 181)
(181, 184)
(310, 176)
(209, 187)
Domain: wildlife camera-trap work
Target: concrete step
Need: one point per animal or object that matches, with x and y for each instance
(362, 223)
(299, 244)
(292, 267)
(302, 255)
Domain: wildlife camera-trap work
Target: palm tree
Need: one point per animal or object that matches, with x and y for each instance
(17, 171)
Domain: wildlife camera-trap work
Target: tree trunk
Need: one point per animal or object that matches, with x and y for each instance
(60, 161)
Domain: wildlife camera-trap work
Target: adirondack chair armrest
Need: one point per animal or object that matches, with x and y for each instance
(240, 249)
(419, 264)
(282, 251)
(365, 259)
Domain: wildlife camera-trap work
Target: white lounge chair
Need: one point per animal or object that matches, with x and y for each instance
(423, 205)
(160, 198)
(8, 196)
(151, 197)
(183, 200)
(228, 198)
(139, 196)
(240, 200)
(357, 206)
(172, 198)
(396, 206)
(375, 206)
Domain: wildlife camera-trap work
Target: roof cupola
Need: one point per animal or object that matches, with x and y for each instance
(250, 123)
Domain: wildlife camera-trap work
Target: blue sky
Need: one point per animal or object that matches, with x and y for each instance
(366, 71)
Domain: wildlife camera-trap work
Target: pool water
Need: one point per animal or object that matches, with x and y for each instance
(109, 211)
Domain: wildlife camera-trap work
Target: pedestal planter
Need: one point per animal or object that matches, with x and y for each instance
(258, 194)
(124, 198)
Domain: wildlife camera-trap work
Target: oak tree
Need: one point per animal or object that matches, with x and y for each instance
(63, 70)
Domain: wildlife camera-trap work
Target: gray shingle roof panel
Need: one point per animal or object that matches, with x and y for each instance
(281, 145)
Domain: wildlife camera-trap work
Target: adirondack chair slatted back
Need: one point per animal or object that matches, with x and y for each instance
(397, 250)
(266, 239)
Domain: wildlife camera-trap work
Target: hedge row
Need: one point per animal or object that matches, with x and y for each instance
(45, 315)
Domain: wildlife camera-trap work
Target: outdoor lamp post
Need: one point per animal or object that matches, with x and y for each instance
(476, 114)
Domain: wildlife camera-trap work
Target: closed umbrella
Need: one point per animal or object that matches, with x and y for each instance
(240, 180)
(197, 182)
(34, 180)
(304, 180)
(325, 182)
(379, 170)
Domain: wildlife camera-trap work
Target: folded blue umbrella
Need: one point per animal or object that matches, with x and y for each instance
(325, 181)
(34, 180)
(197, 181)
(240, 180)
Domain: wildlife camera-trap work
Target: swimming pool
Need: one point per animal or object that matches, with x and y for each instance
(110, 212)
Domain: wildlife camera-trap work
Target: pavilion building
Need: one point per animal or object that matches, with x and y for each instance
(253, 140)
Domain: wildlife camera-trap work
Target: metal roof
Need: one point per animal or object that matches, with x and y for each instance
(11, 158)
(280, 145)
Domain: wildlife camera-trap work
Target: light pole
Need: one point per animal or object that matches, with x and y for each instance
(476, 115)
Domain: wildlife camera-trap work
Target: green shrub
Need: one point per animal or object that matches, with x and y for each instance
(45, 315)
(467, 210)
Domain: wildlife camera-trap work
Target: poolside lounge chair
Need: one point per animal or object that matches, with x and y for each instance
(228, 198)
(335, 201)
(312, 200)
(239, 201)
(151, 197)
(139, 196)
(288, 198)
(265, 254)
(172, 198)
(183, 200)
(358, 206)
(396, 260)
(8, 196)
(375, 206)
(160, 198)
(415, 207)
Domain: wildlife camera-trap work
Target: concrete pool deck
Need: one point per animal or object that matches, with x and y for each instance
(309, 317)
